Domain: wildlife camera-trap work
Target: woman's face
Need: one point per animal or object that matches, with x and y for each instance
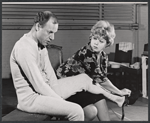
(97, 45)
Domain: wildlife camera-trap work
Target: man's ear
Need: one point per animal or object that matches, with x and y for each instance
(37, 26)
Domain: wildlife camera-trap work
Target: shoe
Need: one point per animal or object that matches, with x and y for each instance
(134, 97)
(126, 102)
(130, 100)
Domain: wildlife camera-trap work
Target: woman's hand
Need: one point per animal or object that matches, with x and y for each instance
(125, 91)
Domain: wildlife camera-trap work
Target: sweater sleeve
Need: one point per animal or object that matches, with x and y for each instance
(81, 57)
(100, 72)
(26, 59)
(52, 79)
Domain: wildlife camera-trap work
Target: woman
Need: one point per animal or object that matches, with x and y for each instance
(92, 60)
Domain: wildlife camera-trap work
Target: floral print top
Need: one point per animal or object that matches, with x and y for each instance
(85, 61)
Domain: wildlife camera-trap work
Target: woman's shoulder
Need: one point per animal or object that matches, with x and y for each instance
(104, 54)
(84, 50)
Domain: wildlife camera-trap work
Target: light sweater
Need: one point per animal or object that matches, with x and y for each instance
(32, 72)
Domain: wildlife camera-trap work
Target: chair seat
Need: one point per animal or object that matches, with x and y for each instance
(17, 115)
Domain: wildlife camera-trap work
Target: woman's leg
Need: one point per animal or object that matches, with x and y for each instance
(90, 112)
(102, 108)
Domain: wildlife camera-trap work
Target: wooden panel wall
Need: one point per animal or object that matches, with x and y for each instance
(70, 16)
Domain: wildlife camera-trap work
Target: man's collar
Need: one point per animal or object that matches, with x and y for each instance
(40, 46)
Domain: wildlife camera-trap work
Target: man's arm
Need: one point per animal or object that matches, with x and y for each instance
(48, 69)
(27, 60)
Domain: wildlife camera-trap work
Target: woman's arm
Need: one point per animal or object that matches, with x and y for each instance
(109, 86)
(106, 83)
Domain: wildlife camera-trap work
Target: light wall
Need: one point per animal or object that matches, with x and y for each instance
(72, 40)
(143, 31)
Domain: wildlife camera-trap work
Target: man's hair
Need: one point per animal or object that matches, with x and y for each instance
(103, 29)
(43, 17)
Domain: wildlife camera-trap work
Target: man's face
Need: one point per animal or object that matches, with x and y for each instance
(46, 33)
(97, 45)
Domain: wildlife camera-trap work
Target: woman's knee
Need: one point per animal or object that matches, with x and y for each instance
(90, 112)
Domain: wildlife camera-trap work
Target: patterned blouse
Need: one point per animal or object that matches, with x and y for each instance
(85, 61)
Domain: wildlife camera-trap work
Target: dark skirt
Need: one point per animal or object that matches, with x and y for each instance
(85, 98)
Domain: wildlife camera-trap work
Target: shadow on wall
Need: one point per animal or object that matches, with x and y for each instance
(111, 56)
(136, 59)
(10, 76)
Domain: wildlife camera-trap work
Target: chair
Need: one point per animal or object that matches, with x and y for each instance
(55, 55)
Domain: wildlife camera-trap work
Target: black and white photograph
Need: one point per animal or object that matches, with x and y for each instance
(74, 61)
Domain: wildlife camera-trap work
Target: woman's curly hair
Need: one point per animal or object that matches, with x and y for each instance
(103, 29)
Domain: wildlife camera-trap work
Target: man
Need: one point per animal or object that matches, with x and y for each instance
(28, 62)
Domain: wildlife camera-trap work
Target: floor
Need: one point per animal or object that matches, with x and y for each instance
(135, 112)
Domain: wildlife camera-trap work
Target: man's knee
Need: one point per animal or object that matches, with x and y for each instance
(78, 113)
(86, 78)
(85, 81)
